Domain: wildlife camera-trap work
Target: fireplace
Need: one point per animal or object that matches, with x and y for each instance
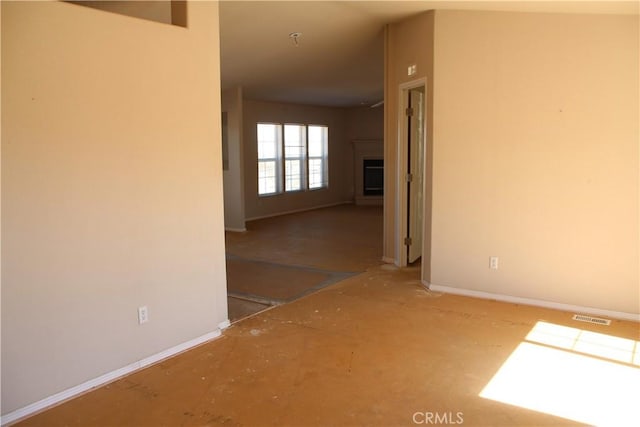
(368, 172)
(373, 177)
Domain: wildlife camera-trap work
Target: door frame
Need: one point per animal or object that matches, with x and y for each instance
(401, 166)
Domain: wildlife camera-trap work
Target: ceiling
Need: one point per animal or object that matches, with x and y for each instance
(340, 55)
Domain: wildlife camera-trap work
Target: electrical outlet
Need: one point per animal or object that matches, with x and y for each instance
(143, 315)
(493, 262)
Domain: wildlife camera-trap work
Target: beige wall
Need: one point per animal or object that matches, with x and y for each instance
(340, 158)
(365, 123)
(1, 221)
(233, 176)
(536, 156)
(111, 191)
(159, 11)
(408, 42)
(345, 126)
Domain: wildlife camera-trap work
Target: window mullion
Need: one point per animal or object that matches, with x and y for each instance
(282, 160)
(306, 158)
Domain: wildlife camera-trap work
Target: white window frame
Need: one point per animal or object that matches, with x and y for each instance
(279, 182)
(323, 157)
(301, 158)
(277, 160)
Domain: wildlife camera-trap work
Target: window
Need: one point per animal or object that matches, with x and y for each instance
(318, 175)
(269, 142)
(292, 157)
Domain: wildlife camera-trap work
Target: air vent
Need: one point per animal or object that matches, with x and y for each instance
(589, 319)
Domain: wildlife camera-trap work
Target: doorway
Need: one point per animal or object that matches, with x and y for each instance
(411, 161)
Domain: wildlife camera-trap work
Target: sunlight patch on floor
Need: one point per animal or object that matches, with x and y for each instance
(571, 373)
(587, 342)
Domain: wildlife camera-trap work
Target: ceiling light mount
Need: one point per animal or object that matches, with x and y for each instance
(295, 36)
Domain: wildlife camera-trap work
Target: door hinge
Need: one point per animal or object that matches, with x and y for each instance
(409, 177)
(407, 241)
(409, 111)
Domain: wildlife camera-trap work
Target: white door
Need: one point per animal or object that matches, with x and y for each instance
(415, 167)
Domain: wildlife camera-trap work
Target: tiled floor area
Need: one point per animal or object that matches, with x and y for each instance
(378, 349)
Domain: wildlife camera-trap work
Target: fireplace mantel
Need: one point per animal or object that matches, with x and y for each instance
(365, 149)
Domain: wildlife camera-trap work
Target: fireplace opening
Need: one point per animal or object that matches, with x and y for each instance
(373, 173)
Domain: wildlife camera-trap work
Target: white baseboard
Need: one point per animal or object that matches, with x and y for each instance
(388, 260)
(72, 392)
(312, 208)
(235, 230)
(534, 302)
(224, 325)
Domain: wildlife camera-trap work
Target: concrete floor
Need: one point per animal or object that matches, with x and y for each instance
(378, 349)
(282, 258)
(276, 282)
(344, 238)
(239, 308)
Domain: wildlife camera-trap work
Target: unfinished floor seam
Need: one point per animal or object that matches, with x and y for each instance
(307, 268)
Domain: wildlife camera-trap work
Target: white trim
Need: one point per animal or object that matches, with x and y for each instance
(634, 317)
(224, 325)
(235, 230)
(388, 260)
(346, 202)
(72, 392)
(401, 188)
(401, 165)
